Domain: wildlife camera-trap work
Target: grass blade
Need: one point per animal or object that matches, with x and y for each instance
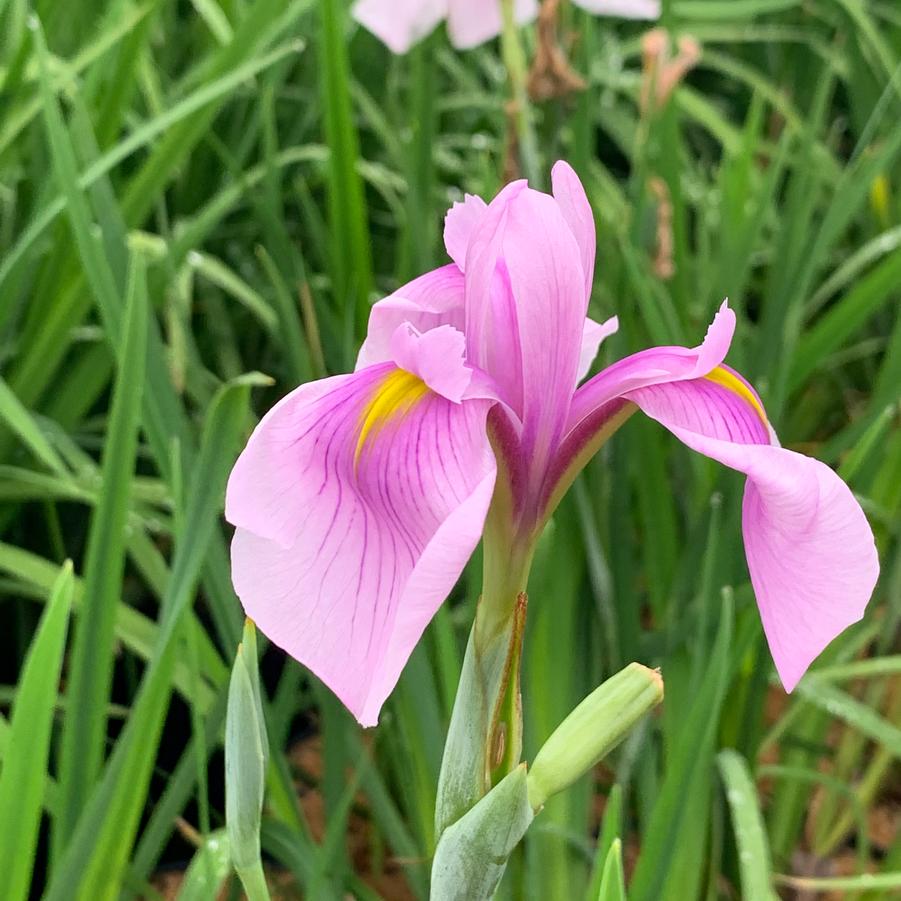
(839, 704)
(90, 673)
(686, 770)
(209, 869)
(93, 864)
(351, 259)
(747, 824)
(27, 744)
(21, 422)
(613, 880)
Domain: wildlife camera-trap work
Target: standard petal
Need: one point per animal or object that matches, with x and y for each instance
(593, 335)
(810, 550)
(460, 222)
(358, 501)
(399, 23)
(490, 323)
(626, 9)
(427, 302)
(573, 202)
(472, 22)
(525, 311)
(436, 356)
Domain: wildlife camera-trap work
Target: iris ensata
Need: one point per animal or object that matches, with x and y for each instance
(359, 498)
(401, 23)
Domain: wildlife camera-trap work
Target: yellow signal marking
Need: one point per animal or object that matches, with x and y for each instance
(392, 399)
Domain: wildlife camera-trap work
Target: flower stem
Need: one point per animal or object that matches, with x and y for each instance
(521, 111)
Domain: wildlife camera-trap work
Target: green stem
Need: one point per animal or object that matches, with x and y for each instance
(487, 710)
(254, 882)
(505, 729)
(518, 70)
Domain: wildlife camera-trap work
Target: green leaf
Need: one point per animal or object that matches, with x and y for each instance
(848, 315)
(465, 767)
(687, 770)
(870, 668)
(747, 824)
(22, 423)
(472, 853)
(613, 880)
(25, 757)
(351, 258)
(862, 883)
(721, 10)
(611, 826)
(91, 668)
(136, 631)
(838, 703)
(205, 95)
(93, 864)
(209, 869)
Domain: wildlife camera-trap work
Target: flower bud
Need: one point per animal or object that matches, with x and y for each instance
(593, 729)
(246, 761)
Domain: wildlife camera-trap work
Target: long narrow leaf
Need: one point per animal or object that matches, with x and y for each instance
(747, 824)
(94, 861)
(91, 667)
(25, 758)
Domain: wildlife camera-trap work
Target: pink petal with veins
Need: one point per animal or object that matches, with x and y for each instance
(351, 531)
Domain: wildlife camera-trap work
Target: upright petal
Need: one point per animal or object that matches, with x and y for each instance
(626, 9)
(472, 22)
(490, 323)
(358, 501)
(593, 335)
(460, 223)
(525, 310)
(399, 24)
(573, 203)
(436, 356)
(464, 218)
(432, 300)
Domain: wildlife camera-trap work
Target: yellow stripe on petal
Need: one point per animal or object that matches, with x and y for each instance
(394, 397)
(730, 381)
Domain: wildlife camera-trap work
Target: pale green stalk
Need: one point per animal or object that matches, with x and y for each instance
(520, 108)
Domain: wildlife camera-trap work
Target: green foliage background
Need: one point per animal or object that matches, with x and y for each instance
(196, 192)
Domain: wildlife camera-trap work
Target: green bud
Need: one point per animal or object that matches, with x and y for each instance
(593, 729)
(246, 761)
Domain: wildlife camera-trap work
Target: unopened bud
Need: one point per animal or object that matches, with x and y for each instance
(593, 729)
(246, 761)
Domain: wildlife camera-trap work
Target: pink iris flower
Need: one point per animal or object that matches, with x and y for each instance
(359, 498)
(401, 23)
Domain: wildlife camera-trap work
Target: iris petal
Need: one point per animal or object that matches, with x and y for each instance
(399, 24)
(358, 501)
(472, 22)
(810, 551)
(432, 300)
